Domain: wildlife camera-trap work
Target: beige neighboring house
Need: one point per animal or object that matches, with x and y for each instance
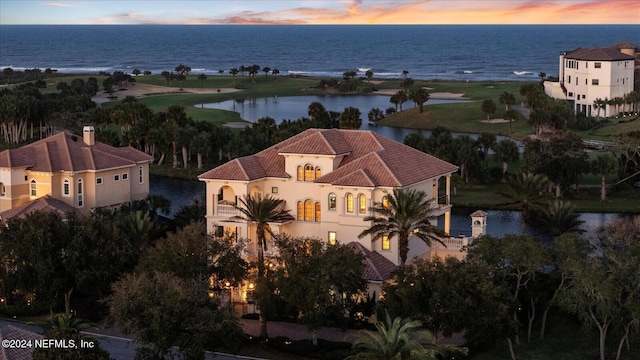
(587, 74)
(65, 171)
(329, 178)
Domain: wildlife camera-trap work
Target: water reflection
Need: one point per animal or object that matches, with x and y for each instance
(295, 107)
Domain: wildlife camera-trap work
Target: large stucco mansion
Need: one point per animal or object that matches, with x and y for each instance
(587, 74)
(65, 172)
(329, 178)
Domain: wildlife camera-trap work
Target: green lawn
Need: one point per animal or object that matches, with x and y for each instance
(588, 200)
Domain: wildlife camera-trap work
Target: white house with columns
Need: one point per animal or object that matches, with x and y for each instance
(587, 74)
(329, 178)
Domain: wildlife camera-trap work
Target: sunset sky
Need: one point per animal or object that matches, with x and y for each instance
(320, 12)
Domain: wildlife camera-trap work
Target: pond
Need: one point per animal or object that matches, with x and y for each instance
(499, 222)
(295, 107)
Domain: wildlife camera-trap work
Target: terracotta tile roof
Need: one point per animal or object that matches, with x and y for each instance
(369, 160)
(376, 266)
(67, 152)
(15, 333)
(45, 203)
(595, 54)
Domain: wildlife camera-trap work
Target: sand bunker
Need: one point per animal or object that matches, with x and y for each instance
(141, 90)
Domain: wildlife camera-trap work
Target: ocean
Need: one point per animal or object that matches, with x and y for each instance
(447, 52)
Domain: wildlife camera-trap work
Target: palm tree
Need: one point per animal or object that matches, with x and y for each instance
(598, 104)
(405, 213)
(260, 211)
(510, 115)
(266, 71)
(560, 218)
(525, 191)
(202, 78)
(405, 73)
(68, 324)
(505, 151)
(419, 96)
(275, 73)
(369, 75)
(350, 118)
(233, 73)
(396, 339)
(488, 108)
(603, 165)
(507, 99)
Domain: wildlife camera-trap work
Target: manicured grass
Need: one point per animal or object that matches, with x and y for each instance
(587, 200)
(459, 117)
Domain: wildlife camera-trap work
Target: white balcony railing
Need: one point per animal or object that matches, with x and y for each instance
(451, 243)
(226, 210)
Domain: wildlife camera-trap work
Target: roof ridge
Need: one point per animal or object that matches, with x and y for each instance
(384, 163)
(244, 171)
(324, 138)
(48, 155)
(68, 151)
(92, 148)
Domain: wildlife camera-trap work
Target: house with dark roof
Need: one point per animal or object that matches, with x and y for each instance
(589, 74)
(65, 171)
(329, 178)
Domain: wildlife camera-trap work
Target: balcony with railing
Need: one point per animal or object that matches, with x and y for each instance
(226, 210)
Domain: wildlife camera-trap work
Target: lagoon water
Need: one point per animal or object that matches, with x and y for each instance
(452, 52)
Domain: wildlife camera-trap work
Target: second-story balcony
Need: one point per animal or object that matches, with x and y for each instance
(226, 210)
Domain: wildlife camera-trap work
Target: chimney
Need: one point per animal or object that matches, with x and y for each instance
(89, 135)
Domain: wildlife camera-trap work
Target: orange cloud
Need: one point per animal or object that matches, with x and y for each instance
(452, 12)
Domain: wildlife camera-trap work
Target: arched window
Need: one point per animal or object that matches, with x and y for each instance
(80, 194)
(308, 210)
(33, 188)
(362, 204)
(332, 202)
(65, 187)
(300, 214)
(3, 190)
(309, 172)
(300, 171)
(318, 212)
(385, 202)
(318, 172)
(349, 203)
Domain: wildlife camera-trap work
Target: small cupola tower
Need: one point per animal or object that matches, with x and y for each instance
(478, 223)
(89, 135)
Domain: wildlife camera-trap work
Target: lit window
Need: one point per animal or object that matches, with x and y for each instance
(80, 194)
(33, 188)
(300, 173)
(332, 202)
(308, 173)
(308, 210)
(349, 203)
(300, 214)
(65, 187)
(386, 244)
(332, 238)
(317, 212)
(385, 202)
(318, 172)
(362, 204)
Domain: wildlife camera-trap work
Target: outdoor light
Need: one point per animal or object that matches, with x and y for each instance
(251, 286)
